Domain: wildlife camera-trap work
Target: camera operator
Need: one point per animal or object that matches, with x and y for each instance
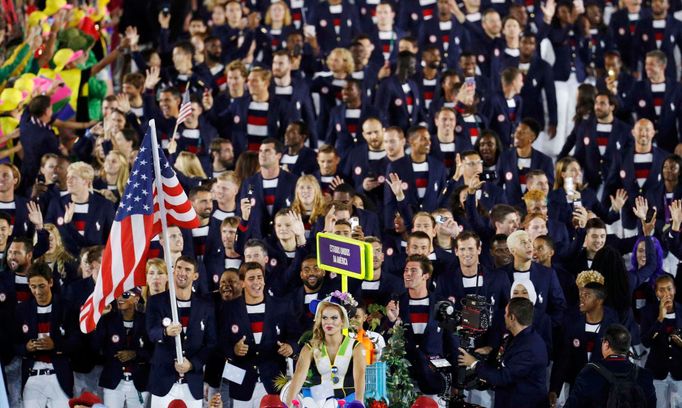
(424, 339)
(661, 333)
(521, 379)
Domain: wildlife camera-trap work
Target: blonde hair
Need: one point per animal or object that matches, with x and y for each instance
(560, 167)
(588, 276)
(229, 176)
(82, 170)
(160, 264)
(188, 164)
(318, 333)
(319, 208)
(61, 255)
(347, 58)
(123, 172)
(534, 195)
(287, 13)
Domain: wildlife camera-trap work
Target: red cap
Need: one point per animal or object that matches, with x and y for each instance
(425, 402)
(86, 398)
(271, 401)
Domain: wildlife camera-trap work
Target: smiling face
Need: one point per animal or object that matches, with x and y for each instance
(311, 275)
(230, 286)
(305, 192)
(126, 301)
(18, 258)
(418, 246)
(536, 227)
(184, 274)
(254, 284)
(7, 180)
(283, 224)
(595, 238)
(467, 252)
(420, 142)
(641, 254)
(413, 276)
(520, 291)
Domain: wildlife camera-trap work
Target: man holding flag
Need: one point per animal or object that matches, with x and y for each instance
(152, 200)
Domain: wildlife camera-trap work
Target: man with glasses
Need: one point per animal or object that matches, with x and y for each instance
(468, 173)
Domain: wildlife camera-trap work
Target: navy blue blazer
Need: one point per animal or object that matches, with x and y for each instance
(522, 378)
(199, 339)
(389, 286)
(622, 175)
(664, 356)
(280, 114)
(623, 34)
(323, 20)
(36, 140)
(431, 35)
(392, 103)
(301, 101)
(645, 41)
(539, 77)
(584, 138)
(357, 167)
(63, 332)
(640, 100)
(306, 163)
(508, 172)
(591, 389)
(337, 133)
(110, 338)
(550, 297)
(571, 356)
(462, 144)
(565, 57)
(491, 194)
(403, 168)
(284, 196)
(97, 225)
(495, 110)
(262, 362)
(495, 289)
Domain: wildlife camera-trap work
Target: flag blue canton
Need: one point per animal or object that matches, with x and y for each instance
(138, 197)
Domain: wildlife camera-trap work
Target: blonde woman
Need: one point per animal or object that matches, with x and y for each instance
(157, 278)
(113, 176)
(308, 201)
(336, 362)
(190, 173)
(278, 23)
(328, 85)
(64, 266)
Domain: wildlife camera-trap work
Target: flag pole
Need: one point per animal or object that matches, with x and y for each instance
(164, 236)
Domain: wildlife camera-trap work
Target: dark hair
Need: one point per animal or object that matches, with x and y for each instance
(217, 143)
(39, 269)
(499, 211)
(522, 310)
(302, 128)
(598, 289)
(412, 131)
(279, 146)
(533, 125)
(495, 136)
(609, 263)
(468, 153)
(94, 254)
(595, 223)
(194, 191)
(6, 217)
(585, 104)
(345, 188)
(499, 238)
(666, 277)
(185, 46)
(509, 74)
(418, 235)
(256, 243)
(246, 165)
(25, 241)
(190, 261)
(39, 105)
(618, 338)
(423, 261)
(465, 235)
(173, 91)
(249, 266)
(547, 240)
(612, 99)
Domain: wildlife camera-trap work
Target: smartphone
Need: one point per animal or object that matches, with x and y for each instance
(440, 219)
(354, 222)
(250, 191)
(649, 215)
(488, 175)
(471, 81)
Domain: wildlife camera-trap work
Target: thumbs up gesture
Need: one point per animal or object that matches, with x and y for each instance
(241, 348)
(284, 349)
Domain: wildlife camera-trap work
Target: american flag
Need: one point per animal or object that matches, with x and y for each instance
(185, 108)
(137, 221)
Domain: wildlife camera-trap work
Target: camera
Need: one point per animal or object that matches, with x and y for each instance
(488, 175)
(469, 323)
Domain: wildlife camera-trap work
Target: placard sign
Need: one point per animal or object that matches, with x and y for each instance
(345, 256)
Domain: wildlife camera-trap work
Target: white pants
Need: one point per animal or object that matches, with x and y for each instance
(483, 398)
(125, 395)
(566, 94)
(258, 393)
(43, 391)
(179, 392)
(667, 393)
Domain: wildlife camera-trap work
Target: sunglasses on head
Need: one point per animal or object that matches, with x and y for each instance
(127, 294)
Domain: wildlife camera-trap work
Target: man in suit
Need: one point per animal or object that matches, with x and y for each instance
(268, 191)
(522, 378)
(82, 217)
(257, 337)
(398, 97)
(661, 334)
(591, 389)
(422, 177)
(45, 336)
(503, 109)
(173, 380)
